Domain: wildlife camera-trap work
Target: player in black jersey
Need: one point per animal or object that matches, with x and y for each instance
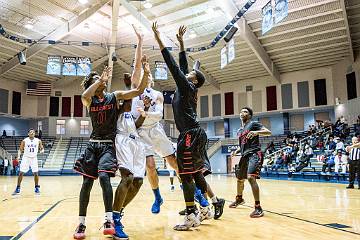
(99, 158)
(251, 159)
(192, 158)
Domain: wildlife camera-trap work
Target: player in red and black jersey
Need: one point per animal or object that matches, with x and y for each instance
(99, 158)
(192, 159)
(251, 159)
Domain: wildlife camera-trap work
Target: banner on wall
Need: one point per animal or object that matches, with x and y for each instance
(267, 18)
(69, 66)
(83, 67)
(223, 57)
(53, 66)
(281, 10)
(231, 50)
(161, 71)
(168, 96)
(228, 148)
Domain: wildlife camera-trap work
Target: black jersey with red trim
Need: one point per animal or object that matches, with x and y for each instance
(249, 145)
(185, 98)
(103, 114)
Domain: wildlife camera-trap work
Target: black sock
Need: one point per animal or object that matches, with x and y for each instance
(257, 203)
(190, 209)
(239, 197)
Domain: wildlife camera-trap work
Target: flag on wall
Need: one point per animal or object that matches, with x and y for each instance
(168, 96)
(38, 88)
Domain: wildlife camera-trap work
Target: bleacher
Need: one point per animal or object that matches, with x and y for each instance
(76, 147)
(12, 144)
(313, 170)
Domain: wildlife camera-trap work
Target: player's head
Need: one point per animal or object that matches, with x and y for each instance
(127, 80)
(31, 133)
(354, 140)
(90, 79)
(246, 113)
(196, 77)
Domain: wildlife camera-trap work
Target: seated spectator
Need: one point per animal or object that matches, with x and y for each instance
(320, 145)
(357, 127)
(339, 144)
(328, 163)
(340, 161)
(331, 146)
(279, 162)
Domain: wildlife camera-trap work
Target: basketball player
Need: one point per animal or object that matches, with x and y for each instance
(154, 136)
(130, 153)
(99, 157)
(30, 147)
(191, 146)
(251, 159)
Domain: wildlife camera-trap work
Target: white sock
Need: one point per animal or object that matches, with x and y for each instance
(108, 216)
(82, 219)
(214, 199)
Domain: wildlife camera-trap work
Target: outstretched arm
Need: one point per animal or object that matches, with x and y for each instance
(130, 94)
(181, 82)
(182, 54)
(135, 78)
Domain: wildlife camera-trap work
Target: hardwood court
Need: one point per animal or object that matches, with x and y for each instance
(293, 210)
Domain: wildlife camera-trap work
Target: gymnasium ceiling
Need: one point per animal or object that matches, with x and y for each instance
(315, 33)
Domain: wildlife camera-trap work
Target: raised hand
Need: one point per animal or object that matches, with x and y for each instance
(181, 33)
(106, 74)
(146, 67)
(155, 30)
(138, 33)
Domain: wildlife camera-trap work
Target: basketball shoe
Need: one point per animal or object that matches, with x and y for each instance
(190, 220)
(80, 232)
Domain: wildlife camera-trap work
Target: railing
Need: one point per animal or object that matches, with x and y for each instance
(323, 131)
(212, 150)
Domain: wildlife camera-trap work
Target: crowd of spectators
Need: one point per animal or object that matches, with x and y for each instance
(328, 140)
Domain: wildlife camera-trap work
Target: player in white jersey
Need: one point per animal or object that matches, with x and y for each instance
(30, 146)
(154, 136)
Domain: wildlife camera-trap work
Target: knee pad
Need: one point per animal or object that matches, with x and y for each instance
(138, 182)
(200, 182)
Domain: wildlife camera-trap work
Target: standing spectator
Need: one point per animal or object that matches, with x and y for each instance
(340, 161)
(305, 158)
(1, 166)
(6, 166)
(15, 164)
(40, 133)
(4, 134)
(354, 162)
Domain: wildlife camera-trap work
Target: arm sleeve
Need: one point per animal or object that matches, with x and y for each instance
(183, 62)
(181, 82)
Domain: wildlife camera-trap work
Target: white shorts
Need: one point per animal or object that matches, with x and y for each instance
(156, 141)
(130, 154)
(29, 162)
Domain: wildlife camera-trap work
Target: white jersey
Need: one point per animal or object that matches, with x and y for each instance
(138, 102)
(126, 125)
(31, 147)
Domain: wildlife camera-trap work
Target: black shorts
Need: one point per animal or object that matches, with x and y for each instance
(249, 165)
(191, 152)
(97, 157)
